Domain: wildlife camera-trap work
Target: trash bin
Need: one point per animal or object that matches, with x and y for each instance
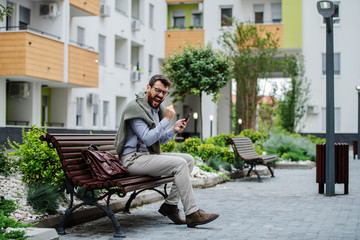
(341, 165)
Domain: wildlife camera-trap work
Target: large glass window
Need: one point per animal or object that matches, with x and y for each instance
(336, 63)
(226, 16)
(151, 59)
(95, 115)
(80, 36)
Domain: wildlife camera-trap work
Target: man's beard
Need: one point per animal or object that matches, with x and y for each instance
(155, 101)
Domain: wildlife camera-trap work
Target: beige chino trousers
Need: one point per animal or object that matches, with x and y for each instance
(180, 165)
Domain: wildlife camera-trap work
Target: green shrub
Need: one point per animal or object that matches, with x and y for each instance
(38, 163)
(169, 146)
(43, 198)
(315, 139)
(191, 145)
(256, 137)
(284, 143)
(7, 207)
(5, 162)
(220, 141)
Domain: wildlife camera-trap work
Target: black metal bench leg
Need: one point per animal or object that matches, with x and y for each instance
(61, 228)
(271, 171)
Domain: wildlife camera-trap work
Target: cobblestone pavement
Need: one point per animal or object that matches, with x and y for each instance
(285, 207)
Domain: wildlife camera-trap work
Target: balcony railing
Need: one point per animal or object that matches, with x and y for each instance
(27, 28)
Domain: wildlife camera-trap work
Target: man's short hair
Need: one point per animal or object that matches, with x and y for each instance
(158, 77)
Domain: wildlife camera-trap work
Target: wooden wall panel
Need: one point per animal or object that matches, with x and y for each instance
(174, 40)
(44, 58)
(277, 30)
(89, 6)
(83, 67)
(27, 54)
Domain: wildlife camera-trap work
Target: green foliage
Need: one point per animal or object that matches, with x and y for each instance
(38, 163)
(219, 140)
(169, 146)
(196, 70)
(207, 169)
(293, 107)
(252, 49)
(256, 137)
(5, 11)
(315, 139)
(191, 145)
(6, 165)
(266, 114)
(290, 146)
(43, 198)
(7, 207)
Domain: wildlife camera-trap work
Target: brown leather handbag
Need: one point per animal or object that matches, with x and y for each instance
(103, 165)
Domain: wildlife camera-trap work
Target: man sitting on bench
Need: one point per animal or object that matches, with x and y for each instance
(141, 131)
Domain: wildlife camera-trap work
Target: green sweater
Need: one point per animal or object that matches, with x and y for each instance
(137, 108)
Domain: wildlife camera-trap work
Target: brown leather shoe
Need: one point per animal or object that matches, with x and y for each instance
(172, 212)
(200, 217)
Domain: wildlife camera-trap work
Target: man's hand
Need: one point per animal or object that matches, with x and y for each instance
(180, 125)
(169, 112)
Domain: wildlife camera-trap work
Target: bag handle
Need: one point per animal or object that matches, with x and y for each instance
(92, 146)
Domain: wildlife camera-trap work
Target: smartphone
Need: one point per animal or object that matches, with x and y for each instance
(187, 117)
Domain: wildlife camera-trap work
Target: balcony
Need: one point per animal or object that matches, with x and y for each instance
(174, 40)
(27, 54)
(83, 67)
(90, 7)
(276, 29)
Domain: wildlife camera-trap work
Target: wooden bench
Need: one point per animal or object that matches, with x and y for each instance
(244, 150)
(77, 174)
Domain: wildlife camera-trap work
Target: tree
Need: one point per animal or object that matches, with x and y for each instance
(252, 50)
(5, 11)
(197, 70)
(293, 107)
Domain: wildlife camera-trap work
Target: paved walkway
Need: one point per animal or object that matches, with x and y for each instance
(285, 207)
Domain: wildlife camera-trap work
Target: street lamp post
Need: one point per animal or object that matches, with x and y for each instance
(327, 9)
(211, 118)
(195, 115)
(358, 138)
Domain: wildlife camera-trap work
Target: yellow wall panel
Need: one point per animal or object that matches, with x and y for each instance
(83, 67)
(174, 40)
(89, 6)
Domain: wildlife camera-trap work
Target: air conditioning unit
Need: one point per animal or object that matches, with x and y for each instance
(104, 10)
(48, 9)
(135, 25)
(312, 110)
(135, 76)
(93, 99)
(19, 89)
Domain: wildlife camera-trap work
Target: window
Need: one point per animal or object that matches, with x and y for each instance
(105, 113)
(151, 16)
(151, 58)
(179, 18)
(80, 36)
(95, 114)
(79, 111)
(196, 19)
(336, 63)
(226, 16)
(24, 18)
(259, 13)
(102, 40)
(276, 12)
(337, 122)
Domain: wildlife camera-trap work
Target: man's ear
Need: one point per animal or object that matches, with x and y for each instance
(148, 88)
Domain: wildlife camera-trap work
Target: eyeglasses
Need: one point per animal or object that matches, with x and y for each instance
(158, 91)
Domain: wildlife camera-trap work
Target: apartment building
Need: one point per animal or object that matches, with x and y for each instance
(74, 65)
